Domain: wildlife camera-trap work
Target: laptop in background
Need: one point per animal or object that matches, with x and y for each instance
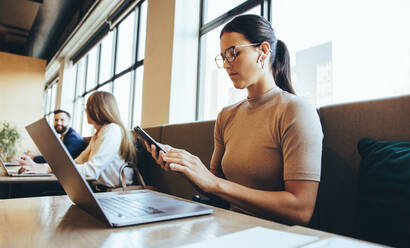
(128, 208)
(15, 163)
(14, 172)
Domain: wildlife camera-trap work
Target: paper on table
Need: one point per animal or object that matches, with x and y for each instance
(338, 242)
(256, 237)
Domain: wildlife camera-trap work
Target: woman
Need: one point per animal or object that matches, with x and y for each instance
(267, 155)
(110, 146)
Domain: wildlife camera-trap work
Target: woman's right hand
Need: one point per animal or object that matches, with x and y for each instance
(157, 156)
(29, 166)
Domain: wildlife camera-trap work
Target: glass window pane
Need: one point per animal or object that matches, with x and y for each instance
(50, 96)
(124, 45)
(138, 96)
(45, 102)
(142, 31)
(122, 95)
(215, 8)
(50, 119)
(346, 59)
(92, 69)
(106, 87)
(87, 129)
(78, 111)
(80, 77)
(54, 97)
(106, 57)
(218, 90)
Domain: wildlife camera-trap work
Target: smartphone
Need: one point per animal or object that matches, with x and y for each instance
(149, 139)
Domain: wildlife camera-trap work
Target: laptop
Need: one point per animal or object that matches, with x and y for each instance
(128, 208)
(15, 163)
(14, 172)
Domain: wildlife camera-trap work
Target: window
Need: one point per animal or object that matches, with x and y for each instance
(78, 110)
(114, 65)
(215, 8)
(125, 43)
(122, 91)
(50, 99)
(91, 81)
(334, 59)
(348, 50)
(106, 71)
(86, 129)
(216, 89)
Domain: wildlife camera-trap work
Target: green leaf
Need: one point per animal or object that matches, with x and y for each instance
(9, 138)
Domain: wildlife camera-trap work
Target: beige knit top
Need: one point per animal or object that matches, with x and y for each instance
(264, 141)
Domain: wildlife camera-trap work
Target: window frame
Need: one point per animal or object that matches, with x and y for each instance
(50, 96)
(266, 11)
(80, 94)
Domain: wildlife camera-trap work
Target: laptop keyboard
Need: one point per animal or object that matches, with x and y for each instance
(125, 207)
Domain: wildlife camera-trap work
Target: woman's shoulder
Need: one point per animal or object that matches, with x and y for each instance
(229, 110)
(233, 107)
(293, 107)
(289, 102)
(111, 128)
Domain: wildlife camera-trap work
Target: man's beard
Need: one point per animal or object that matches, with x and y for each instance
(62, 130)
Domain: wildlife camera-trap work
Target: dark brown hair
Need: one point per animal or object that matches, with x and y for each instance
(58, 111)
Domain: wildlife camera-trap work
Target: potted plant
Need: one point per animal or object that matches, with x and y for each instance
(9, 138)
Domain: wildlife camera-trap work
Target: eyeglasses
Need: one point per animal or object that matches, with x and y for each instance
(230, 54)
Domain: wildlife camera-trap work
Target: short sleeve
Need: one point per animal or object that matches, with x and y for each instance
(301, 141)
(219, 147)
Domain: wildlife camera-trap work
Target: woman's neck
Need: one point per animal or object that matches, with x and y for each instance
(97, 127)
(265, 84)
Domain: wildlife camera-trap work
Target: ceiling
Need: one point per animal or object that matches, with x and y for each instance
(37, 28)
(16, 19)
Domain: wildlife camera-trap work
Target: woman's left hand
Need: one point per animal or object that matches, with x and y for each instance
(191, 166)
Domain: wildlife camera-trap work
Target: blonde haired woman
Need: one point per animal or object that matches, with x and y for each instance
(110, 146)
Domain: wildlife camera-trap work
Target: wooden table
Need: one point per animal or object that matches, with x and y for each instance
(11, 187)
(8, 179)
(55, 222)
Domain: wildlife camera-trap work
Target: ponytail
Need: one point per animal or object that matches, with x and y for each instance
(281, 67)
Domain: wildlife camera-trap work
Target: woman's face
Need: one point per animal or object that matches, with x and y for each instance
(89, 120)
(245, 70)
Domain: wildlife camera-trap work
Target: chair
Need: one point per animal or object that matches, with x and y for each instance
(133, 165)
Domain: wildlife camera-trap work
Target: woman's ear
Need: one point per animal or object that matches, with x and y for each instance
(264, 47)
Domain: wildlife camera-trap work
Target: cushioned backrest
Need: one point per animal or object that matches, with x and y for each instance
(195, 137)
(146, 165)
(343, 126)
(154, 132)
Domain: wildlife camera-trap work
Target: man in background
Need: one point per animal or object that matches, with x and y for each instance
(74, 143)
